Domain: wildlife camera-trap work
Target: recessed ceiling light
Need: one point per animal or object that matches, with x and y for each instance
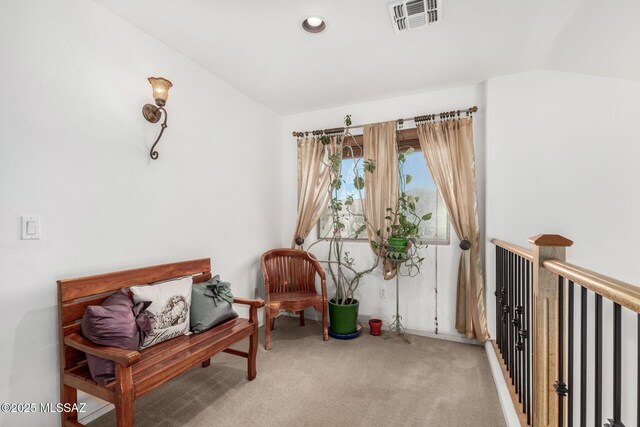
(314, 24)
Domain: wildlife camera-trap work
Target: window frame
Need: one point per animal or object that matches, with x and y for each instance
(407, 138)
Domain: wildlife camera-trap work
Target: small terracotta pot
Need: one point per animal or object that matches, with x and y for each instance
(375, 327)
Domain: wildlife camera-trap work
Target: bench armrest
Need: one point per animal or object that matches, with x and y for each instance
(121, 356)
(254, 305)
(257, 303)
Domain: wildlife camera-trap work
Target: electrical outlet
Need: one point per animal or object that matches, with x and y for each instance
(383, 291)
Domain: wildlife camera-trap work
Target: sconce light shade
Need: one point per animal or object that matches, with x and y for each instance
(160, 88)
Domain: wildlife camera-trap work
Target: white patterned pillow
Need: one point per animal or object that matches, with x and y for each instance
(170, 304)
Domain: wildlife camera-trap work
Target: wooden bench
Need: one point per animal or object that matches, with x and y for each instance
(137, 373)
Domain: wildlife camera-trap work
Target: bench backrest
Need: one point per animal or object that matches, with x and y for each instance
(75, 295)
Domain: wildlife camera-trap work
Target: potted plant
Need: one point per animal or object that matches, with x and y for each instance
(402, 246)
(375, 327)
(343, 308)
(404, 230)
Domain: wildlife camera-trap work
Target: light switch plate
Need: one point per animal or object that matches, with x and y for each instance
(30, 227)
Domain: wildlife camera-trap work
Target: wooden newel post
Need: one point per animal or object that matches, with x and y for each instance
(545, 327)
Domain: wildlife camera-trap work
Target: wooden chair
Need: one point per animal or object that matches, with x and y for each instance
(290, 284)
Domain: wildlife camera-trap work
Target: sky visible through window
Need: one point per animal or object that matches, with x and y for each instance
(422, 185)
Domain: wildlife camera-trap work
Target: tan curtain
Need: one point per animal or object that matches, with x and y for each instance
(314, 176)
(448, 150)
(381, 186)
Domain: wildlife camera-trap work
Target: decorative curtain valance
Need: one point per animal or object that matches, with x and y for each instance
(448, 150)
(314, 176)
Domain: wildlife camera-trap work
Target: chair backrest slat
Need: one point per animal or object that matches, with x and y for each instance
(289, 270)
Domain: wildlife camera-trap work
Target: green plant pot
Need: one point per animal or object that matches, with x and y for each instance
(398, 244)
(343, 318)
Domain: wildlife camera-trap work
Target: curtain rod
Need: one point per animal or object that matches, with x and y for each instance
(417, 119)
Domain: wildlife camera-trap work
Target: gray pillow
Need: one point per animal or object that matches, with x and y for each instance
(210, 304)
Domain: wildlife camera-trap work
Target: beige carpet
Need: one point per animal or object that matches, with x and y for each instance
(304, 381)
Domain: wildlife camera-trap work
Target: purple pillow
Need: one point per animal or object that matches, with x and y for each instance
(116, 323)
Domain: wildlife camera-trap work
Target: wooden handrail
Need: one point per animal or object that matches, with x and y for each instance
(620, 292)
(518, 250)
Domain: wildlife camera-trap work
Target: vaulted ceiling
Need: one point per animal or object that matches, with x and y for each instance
(258, 46)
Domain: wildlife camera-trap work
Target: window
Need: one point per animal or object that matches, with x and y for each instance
(434, 231)
(351, 222)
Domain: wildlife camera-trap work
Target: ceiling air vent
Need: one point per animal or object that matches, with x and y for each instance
(407, 15)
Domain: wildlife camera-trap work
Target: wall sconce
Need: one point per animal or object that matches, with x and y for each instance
(153, 113)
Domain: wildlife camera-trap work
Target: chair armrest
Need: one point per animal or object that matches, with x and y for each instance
(317, 266)
(257, 303)
(121, 356)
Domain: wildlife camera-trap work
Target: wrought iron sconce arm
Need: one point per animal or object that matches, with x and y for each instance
(158, 112)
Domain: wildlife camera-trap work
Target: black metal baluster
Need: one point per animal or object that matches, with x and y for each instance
(523, 379)
(570, 357)
(514, 360)
(617, 368)
(497, 295)
(583, 358)
(560, 386)
(519, 328)
(514, 323)
(512, 306)
(510, 317)
(527, 305)
(505, 310)
(598, 363)
(503, 300)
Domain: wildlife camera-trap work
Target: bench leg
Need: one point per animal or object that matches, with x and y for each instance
(69, 395)
(124, 396)
(253, 345)
(301, 317)
(206, 363)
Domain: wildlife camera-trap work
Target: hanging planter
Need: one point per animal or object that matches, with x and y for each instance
(398, 248)
(398, 244)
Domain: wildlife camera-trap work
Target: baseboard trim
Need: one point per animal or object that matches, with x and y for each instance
(441, 336)
(504, 396)
(86, 419)
(364, 320)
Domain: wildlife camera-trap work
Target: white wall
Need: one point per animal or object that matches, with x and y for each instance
(417, 302)
(562, 157)
(74, 150)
